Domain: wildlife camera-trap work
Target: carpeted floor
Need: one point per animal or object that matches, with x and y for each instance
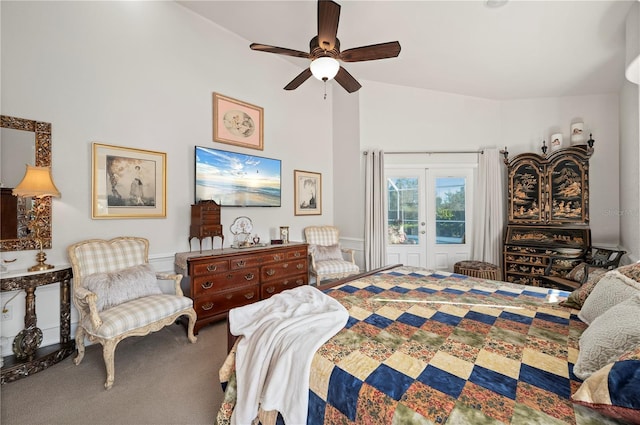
(160, 378)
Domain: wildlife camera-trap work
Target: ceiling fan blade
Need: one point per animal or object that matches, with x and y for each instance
(301, 78)
(328, 17)
(372, 52)
(347, 81)
(279, 50)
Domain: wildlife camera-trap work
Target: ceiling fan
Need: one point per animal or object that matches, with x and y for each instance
(325, 51)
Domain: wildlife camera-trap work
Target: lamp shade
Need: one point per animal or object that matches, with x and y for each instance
(37, 182)
(324, 68)
(632, 55)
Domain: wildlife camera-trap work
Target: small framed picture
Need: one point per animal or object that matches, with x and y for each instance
(237, 123)
(128, 183)
(308, 192)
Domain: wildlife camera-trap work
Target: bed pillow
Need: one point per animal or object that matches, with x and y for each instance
(610, 335)
(614, 390)
(124, 285)
(324, 253)
(576, 273)
(612, 288)
(577, 298)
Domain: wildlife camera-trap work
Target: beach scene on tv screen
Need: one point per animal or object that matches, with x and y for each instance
(236, 179)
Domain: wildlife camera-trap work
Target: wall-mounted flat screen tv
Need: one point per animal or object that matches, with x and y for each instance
(235, 179)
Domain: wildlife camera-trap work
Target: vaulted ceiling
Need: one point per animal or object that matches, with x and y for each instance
(524, 49)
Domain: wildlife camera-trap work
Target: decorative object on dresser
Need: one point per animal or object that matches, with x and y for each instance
(128, 183)
(118, 295)
(284, 234)
(237, 123)
(241, 229)
(205, 222)
(220, 281)
(548, 213)
(29, 357)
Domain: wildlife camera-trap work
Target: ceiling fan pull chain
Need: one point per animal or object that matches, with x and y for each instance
(325, 88)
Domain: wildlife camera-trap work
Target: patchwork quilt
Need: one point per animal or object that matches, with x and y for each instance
(425, 347)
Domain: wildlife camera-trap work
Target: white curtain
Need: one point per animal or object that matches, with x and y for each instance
(489, 210)
(375, 216)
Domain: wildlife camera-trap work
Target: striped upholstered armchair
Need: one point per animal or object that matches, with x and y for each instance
(327, 257)
(118, 295)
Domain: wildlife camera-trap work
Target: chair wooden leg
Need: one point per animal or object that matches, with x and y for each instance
(192, 321)
(79, 345)
(108, 352)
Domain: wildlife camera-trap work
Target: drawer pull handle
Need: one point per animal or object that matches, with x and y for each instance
(285, 283)
(249, 276)
(208, 306)
(277, 257)
(271, 289)
(241, 263)
(297, 254)
(300, 266)
(248, 295)
(229, 296)
(300, 281)
(271, 272)
(212, 268)
(208, 284)
(229, 276)
(285, 265)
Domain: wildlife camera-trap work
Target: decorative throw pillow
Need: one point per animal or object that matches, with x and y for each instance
(124, 285)
(577, 273)
(613, 333)
(577, 298)
(632, 271)
(613, 288)
(323, 253)
(614, 390)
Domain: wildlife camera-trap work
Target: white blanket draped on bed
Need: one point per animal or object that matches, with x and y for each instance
(273, 359)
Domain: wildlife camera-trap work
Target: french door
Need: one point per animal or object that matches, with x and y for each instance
(429, 216)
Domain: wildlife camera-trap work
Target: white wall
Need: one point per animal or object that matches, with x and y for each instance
(141, 75)
(629, 210)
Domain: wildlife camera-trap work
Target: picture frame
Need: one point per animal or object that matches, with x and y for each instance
(307, 192)
(128, 183)
(237, 123)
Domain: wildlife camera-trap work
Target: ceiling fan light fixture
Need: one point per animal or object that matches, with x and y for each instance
(324, 68)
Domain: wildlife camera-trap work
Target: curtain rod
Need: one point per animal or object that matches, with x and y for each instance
(481, 152)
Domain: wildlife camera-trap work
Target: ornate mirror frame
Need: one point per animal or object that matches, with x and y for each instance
(42, 158)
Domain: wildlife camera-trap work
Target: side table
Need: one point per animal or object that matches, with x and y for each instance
(14, 368)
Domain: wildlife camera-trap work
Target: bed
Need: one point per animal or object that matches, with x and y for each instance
(430, 347)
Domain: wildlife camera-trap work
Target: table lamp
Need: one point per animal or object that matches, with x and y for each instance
(37, 183)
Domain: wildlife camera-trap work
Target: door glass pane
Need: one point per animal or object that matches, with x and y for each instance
(403, 210)
(450, 210)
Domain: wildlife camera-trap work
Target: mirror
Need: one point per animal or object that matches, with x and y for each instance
(23, 141)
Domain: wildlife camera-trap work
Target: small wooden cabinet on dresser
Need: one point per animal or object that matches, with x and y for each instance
(222, 279)
(205, 222)
(548, 213)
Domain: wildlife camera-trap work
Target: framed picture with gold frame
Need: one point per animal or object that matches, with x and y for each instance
(128, 183)
(237, 123)
(307, 192)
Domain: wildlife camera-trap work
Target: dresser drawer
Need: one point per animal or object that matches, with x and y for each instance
(278, 271)
(224, 281)
(271, 288)
(217, 303)
(296, 253)
(213, 266)
(245, 261)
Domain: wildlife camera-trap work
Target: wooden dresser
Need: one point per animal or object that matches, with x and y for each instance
(222, 279)
(548, 213)
(205, 222)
